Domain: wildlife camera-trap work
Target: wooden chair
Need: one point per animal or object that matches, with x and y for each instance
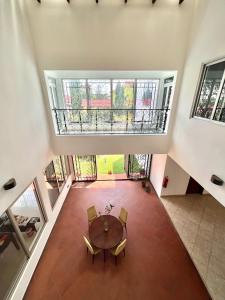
(92, 249)
(92, 214)
(123, 217)
(118, 249)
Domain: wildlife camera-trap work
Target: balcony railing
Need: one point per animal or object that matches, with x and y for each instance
(110, 121)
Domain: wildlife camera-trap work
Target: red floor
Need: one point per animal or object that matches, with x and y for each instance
(156, 265)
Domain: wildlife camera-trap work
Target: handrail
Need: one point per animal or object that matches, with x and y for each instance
(70, 121)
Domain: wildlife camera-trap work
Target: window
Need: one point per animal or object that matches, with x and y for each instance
(75, 94)
(210, 102)
(123, 93)
(55, 178)
(147, 93)
(12, 255)
(28, 217)
(112, 105)
(99, 93)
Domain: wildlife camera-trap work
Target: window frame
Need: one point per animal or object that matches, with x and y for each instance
(65, 175)
(200, 83)
(16, 227)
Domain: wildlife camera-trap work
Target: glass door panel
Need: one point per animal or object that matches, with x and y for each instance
(12, 256)
(28, 217)
(139, 166)
(84, 167)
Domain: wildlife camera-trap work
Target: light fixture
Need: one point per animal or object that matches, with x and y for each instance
(216, 180)
(11, 183)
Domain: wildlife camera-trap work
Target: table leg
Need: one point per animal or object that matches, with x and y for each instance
(104, 254)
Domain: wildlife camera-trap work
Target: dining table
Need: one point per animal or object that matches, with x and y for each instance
(106, 232)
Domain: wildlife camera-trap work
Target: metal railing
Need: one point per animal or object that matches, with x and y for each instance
(110, 121)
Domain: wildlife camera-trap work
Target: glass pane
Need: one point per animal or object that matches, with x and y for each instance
(84, 167)
(123, 93)
(63, 160)
(12, 256)
(139, 165)
(51, 183)
(209, 90)
(146, 93)
(220, 109)
(28, 215)
(75, 95)
(59, 171)
(100, 94)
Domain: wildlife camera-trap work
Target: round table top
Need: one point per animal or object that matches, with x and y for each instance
(106, 239)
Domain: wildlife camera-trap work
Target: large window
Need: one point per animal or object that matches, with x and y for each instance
(55, 178)
(28, 216)
(112, 106)
(20, 227)
(12, 255)
(210, 103)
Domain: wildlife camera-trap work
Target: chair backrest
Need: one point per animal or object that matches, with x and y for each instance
(91, 212)
(120, 247)
(88, 245)
(123, 215)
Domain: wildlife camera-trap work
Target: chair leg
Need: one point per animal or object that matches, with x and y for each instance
(115, 260)
(93, 258)
(104, 254)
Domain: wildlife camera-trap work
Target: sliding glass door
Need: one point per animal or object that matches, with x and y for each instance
(12, 255)
(139, 166)
(20, 228)
(84, 167)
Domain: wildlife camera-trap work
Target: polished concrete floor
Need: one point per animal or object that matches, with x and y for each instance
(200, 222)
(156, 266)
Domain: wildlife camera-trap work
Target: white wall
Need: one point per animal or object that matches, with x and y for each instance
(24, 143)
(24, 150)
(157, 171)
(162, 165)
(198, 146)
(178, 179)
(110, 36)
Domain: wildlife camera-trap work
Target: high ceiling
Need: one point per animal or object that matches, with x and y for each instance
(125, 1)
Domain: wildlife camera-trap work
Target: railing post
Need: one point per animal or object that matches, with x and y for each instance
(64, 119)
(127, 121)
(111, 119)
(57, 120)
(157, 119)
(96, 120)
(142, 120)
(165, 119)
(81, 127)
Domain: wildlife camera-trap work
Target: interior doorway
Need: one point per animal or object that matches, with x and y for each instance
(194, 187)
(111, 167)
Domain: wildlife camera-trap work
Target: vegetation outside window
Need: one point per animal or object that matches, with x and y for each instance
(210, 102)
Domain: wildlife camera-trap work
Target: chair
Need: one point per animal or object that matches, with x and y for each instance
(118, 249)
(92, 214)
(92, 249)
(123, 217)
